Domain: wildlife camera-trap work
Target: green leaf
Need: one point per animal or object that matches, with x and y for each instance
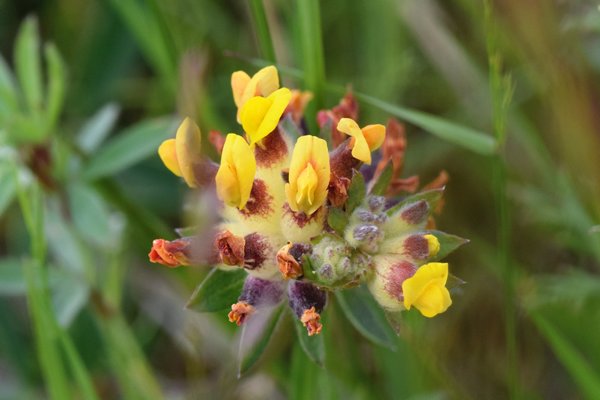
(289, 127)
(130, 147)
(337, 219)
(8, 186)
(383, 180)
(261, 26)
(356, 192)
(90, 215)
(69, 296)
(256, 335)
(366, 316)
(218, 291)
(313, 346)
(448, 243)
(12, 281)
(28, 64)
(432, 197)
(56, 84)
(8, 92)
(584, 375)
(468, 138)
(97, 128)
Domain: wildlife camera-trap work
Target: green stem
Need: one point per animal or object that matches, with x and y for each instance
(261, 26)
(501, 90)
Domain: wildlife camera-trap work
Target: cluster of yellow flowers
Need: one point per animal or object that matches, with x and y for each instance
(278, 200)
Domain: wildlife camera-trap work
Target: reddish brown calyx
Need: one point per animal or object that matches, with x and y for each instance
(288, 266)
(347, 108)
(310, 319)
(170, 253)
(337, 192)
(230, 248)
(240, 311)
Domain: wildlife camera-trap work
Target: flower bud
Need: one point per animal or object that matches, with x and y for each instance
(307, 301)
(171, 253)
(386, 285)
(336, 264)
(257, 293)
(230, 248)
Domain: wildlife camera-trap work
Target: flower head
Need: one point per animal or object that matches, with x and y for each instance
(263, 83)
(260, 115)
(426, 290)
(180, 155)
(309, 175)
(235, 176)
(364, 140)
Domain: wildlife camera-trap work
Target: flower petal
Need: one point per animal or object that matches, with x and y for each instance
(236, 173)
(426, 289)
(259, 115)
(188, 142)
(239, 82)
(167, 154)
(374, 135)
(360, 147)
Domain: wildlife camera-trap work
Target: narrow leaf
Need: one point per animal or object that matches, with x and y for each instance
(97, 128)
(337, 219)
(8, 90)
(56, 84)
(256, 335)
(12, 281)
(356, 192)
(468, 138)
(90, 215)
(261, 26)
(383, 180)
(448, 243)
(366, 316)
(8, 187)
(218, 291)
(130, 147)
(313, 346)
(28, 64)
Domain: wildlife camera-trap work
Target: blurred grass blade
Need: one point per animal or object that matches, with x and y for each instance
(366, 316)
(313, 346)
(97, 128)
(256, 335)
(8, 92)
(80, 372)
(12, 281)
(28, 63)
(8, 187)
(313, 64)
(303, 379)
(261, 26)
(90, 215)
(468, 138)
(130, 147)
(56, 84)
(582, 373)
(218, 291)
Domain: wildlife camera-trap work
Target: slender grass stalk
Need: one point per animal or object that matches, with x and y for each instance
(313, 64)
(263, 34)
(501, 91)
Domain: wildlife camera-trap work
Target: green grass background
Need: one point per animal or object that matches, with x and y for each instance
(84, 315)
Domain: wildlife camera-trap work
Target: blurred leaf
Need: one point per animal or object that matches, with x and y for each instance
(97, 128)
(8, 187)
(90, 214)
(289, 127)
(337, 219)
(366, 316)
(69, 296)
(261, 27)
(129, 147)
(448, 243)
(383, 180)
(468, 138)
(56, 84)
(313, 346)
(8, 92)
(303, 377)
(574, 288)
(12, 281)
(26, 128)
(28, 63)
(586, 378)
(218, 291)
(256, 335)
(356, 192)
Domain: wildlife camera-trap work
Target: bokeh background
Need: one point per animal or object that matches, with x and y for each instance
(83, 193)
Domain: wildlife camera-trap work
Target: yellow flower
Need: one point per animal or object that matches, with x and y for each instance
(433, 244)
(260, 115)
(235, 176)
(181, 154)
(263, 83)
(309, 175)
(426, 289)
(364, 140)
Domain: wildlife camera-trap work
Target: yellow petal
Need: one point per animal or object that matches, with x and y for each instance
(188, 142)
(239, 82)
(235, 176)
(433, 245)
(426, 289)
(374, 135)
(309, 175)
(360, 147)
(267, 81)
(259, 115)
(167, 154)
